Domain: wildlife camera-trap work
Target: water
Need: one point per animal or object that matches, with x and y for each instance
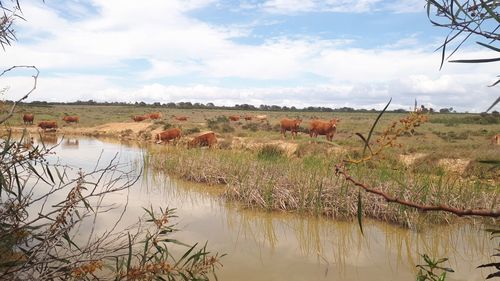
(276, 246)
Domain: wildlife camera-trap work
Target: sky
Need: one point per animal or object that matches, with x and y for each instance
(300, 53)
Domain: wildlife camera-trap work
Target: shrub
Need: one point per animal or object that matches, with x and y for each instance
(270, 152)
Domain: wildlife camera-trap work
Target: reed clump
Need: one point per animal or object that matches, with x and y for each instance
(266, 178)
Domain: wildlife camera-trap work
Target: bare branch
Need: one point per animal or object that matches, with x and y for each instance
(35, 79)
(495, 213)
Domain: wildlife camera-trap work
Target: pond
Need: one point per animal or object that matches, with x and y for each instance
(276, 246)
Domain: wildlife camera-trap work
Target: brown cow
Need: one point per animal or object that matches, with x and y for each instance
(291, 125)
(495, 139)
(154, 115)
(248, 118)
(205, 139)
(234, 117)
(28, 118)
(71, 119)
(139, 118)
(170, 134)
(327, 128)
(181, 118)
(48, 125)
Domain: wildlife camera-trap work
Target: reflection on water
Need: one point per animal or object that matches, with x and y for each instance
(278, 246)
(48, 138)
(71, 143)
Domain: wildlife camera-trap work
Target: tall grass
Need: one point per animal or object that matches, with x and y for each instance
(269, 180)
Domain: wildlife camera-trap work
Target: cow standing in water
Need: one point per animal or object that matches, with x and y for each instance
(291, 125)
(28, 118)
(48, 125)
(327, 128)
(168, 135)
(206, 139)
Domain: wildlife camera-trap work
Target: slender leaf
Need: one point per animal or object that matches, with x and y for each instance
(476, 60)
(375, 124)
(360, 212)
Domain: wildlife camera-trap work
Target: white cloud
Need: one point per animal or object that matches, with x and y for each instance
(289, 6)
(175, 44)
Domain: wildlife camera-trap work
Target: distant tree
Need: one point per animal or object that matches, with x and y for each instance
(444, 110)
(210, 104)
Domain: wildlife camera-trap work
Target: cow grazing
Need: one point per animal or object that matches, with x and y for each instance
(327, 128)
(206, 139)
(291, 125)
(181, 118)
(170, 134)
(154, 115)
(139, 118)
(261, 118)
(495, 139)
(48, 125)
(234, 117)
(71, 119)
(28, 119)
(248, 118)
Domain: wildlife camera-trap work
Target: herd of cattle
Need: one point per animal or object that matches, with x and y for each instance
(316, 127)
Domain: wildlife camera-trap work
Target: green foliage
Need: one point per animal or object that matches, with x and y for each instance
(254, 127)
(432, 269)
(452, 136)
(191, 131)
(220, 124)
(450, 120)
(270, 153)
(153, 260)
(495, 234)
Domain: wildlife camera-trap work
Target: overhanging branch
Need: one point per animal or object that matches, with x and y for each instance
(35, 78)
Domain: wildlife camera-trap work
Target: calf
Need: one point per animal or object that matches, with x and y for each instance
(291, 125)
(261, 118)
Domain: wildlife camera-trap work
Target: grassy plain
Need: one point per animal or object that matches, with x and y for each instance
(447, 160)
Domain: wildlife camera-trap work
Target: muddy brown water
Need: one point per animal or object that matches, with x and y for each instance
(277, 246)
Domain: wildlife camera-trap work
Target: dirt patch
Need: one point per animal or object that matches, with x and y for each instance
(243, 143)
(410, 159)
(454, 165)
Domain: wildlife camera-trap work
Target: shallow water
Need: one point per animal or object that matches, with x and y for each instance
(276, 246)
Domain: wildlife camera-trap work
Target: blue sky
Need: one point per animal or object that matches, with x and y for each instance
(287, 52)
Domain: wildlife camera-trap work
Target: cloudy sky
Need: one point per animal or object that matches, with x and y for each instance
(299, 53)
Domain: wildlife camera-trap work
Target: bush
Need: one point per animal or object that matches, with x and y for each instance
(270, 152)
(190, 131)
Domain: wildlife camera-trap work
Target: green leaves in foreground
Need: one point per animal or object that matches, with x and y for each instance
(495, 233)
(432, 269)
